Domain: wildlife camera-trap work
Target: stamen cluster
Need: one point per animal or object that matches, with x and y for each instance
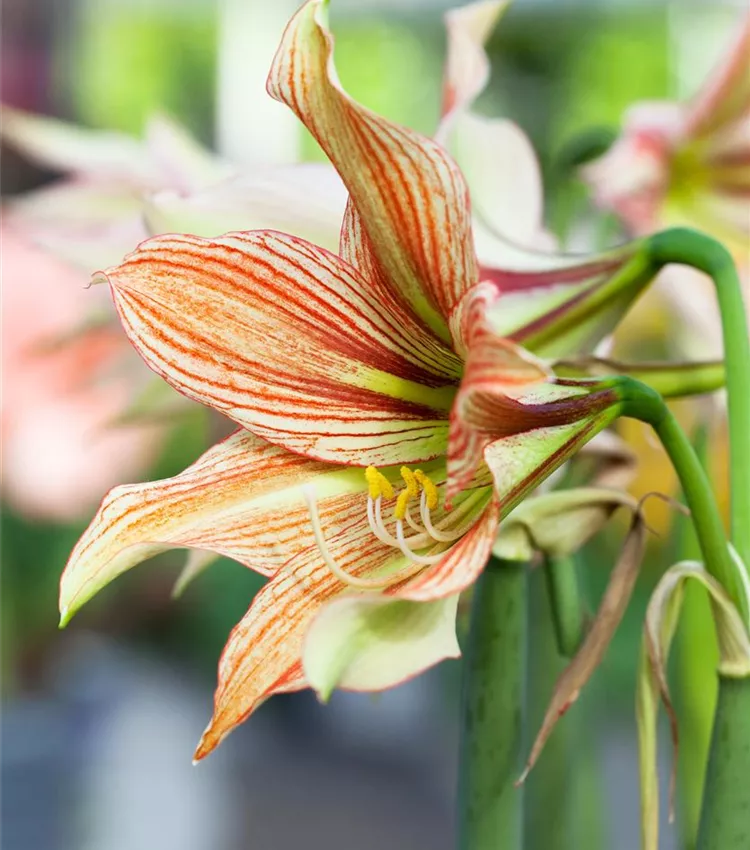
(436, 538)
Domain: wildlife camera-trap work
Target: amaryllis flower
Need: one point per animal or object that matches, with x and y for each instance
(385, 426)
(686, 164)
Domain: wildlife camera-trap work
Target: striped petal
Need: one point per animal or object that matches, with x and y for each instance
(411, 195)
(289, 341)
(496, 373)
(264, 653)
(241, 499)
(521, 462)
(484, 415)
(556, 305)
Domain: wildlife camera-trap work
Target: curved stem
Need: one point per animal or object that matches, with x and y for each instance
(641, 402)
(700, 251)
(490, 813)
(725, 822)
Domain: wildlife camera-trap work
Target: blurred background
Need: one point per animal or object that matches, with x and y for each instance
(99, 722)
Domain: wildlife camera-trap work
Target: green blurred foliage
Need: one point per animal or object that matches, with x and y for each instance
(126, 61)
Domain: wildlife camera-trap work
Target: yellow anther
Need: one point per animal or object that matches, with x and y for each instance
(401, 504)
(430, 490)
(378, 484)
(412, 488)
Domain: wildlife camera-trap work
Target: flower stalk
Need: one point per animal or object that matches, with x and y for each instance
(490, 812)
(707, 255)
(641, 402)
(725, 823)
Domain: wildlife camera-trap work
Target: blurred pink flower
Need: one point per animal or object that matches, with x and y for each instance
(70, 374)
(688, 164)
(61, 395)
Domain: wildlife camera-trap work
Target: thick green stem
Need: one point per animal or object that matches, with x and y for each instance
(640, 402)
(725, 822)
(563, 803)
(700, 251)
(567, 607)
(490, 813)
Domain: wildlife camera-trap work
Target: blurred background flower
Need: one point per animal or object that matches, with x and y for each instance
(98, 725)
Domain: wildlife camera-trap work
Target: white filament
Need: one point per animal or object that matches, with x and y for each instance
(404, 547)
(340, 573)
(426, 535)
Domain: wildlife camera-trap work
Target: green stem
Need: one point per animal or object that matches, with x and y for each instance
(695, 670)
(725, 822)
(549, 786)
(490, 806)
(670, 380)
(562, 804)
(700, 251)
(641, 402)
(567, 607)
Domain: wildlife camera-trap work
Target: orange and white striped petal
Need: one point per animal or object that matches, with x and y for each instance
(411, 195)
(486, 413)
(290, 342)
(496, 372)
(264, 653)
(243, 498)
(505, 392)
(521, 462)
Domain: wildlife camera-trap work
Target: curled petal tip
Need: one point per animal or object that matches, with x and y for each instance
(66, 615)
(205, 746)
(97, 278)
